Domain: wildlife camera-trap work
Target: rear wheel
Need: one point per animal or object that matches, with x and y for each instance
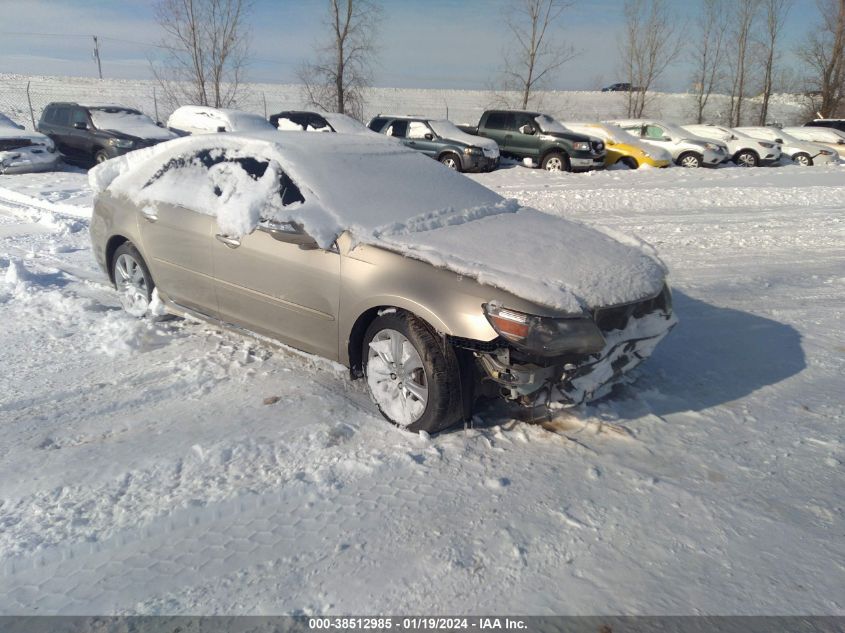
(555, 161)
(412, 376)
(746, 158)
(132, 280)
(690, 160)
(452, 161)
(802, 159)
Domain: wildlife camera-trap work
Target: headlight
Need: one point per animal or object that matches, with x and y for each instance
(543, 335)
(581, 146)
(713, 146)
(473, 151)
(767, 145)
(122, 143)
(646, 154)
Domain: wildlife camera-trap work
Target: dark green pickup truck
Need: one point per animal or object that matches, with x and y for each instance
(541, 138)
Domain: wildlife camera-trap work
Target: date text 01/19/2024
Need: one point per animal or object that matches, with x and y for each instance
(416, 623)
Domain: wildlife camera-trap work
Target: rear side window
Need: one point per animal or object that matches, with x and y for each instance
(377, 124)
(499, 121)
(61, 116)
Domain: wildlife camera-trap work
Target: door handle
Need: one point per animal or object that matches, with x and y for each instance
(149, 214)
(231, 242)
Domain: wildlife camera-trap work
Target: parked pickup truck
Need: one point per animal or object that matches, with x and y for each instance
(542, 139)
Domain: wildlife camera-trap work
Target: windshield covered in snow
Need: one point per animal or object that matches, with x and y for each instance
(128, 121)
(548, 124)
(7, 122)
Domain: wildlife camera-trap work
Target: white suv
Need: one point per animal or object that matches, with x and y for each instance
(744, 150)
(687, 149)
(801, 152)
(834, 139)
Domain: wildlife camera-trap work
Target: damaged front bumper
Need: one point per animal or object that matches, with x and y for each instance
(631, 333)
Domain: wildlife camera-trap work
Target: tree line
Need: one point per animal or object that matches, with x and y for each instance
(732, 47)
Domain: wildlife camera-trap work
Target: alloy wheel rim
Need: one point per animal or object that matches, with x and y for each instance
(450, 163)
(690, 161)
(396, 377)
(802, 160)
(132, 285)
(554, 164)
(746, 160)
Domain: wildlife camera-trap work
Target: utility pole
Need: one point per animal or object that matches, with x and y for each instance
(97, 56)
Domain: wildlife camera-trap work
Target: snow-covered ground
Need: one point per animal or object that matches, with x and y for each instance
(174, 467)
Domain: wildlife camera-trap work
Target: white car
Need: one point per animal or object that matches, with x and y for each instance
(834, 139)
(22, 151)
(687, 149)
(614, 136)
(744, 150)
(803, 153)
(207, 120)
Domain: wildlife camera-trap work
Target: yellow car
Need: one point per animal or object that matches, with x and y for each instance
(622, 147)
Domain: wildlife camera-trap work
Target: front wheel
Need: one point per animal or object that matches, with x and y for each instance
(412, 376)
(101, 156)
(555, 162)
(132, 280)
(630, 162)
(803, 159)
(747, 159)
(690, 160)
(452, 161)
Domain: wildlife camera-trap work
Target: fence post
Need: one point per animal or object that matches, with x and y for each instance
(155, 104)
(29, 100)
(264, 99)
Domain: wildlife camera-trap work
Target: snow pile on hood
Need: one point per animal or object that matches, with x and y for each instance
(389, 196)
(210, 119)
(344, 124)
(448, 130)
(6, 122)
(129, 123)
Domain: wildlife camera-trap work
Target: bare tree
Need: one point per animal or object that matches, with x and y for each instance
(205, 45)
(336, 79)
(824, 55)
(746, 11)
(651, 44)
(537, 50)
(708, 55)
(775, 17)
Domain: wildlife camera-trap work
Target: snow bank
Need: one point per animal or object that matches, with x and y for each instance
(392, 197)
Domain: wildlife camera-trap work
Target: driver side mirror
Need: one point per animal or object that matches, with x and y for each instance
(291, 233)
(779, 140)
(79, 125)
(667, 139)
(429, 136)
(527, 129)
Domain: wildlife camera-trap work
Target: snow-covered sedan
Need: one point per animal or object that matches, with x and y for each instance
(22, 151)
(431, 287)
(744, 150)
(207, 120)
(687, 149)
(307, 121)
(804, 153)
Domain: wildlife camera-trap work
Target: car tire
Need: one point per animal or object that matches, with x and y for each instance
(452, 161)
(132, 280)
(555, 161)
(630, 162)
(803, 159)
(100, 156)
(690, 160)
(747, 158)
(422, 391)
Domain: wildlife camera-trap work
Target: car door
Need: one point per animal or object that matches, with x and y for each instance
(58, 128)
(176, 244)
(272, 285)
(499, 127)
(421, 138)
(522, 144)
(80, 139)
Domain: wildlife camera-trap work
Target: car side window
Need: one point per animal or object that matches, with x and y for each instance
(61, 116)
(398, 129)
(654, 131)
(418, 129)
(497, 121)
(523, 119)
(377, 124)
(79, 116)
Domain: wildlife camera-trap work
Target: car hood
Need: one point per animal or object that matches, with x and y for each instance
(11, 135)
(542, 258)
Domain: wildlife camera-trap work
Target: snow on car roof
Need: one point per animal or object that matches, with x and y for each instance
(237, 120)
(387, 195)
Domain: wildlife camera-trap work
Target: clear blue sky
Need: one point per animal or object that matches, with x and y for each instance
(424, 43)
